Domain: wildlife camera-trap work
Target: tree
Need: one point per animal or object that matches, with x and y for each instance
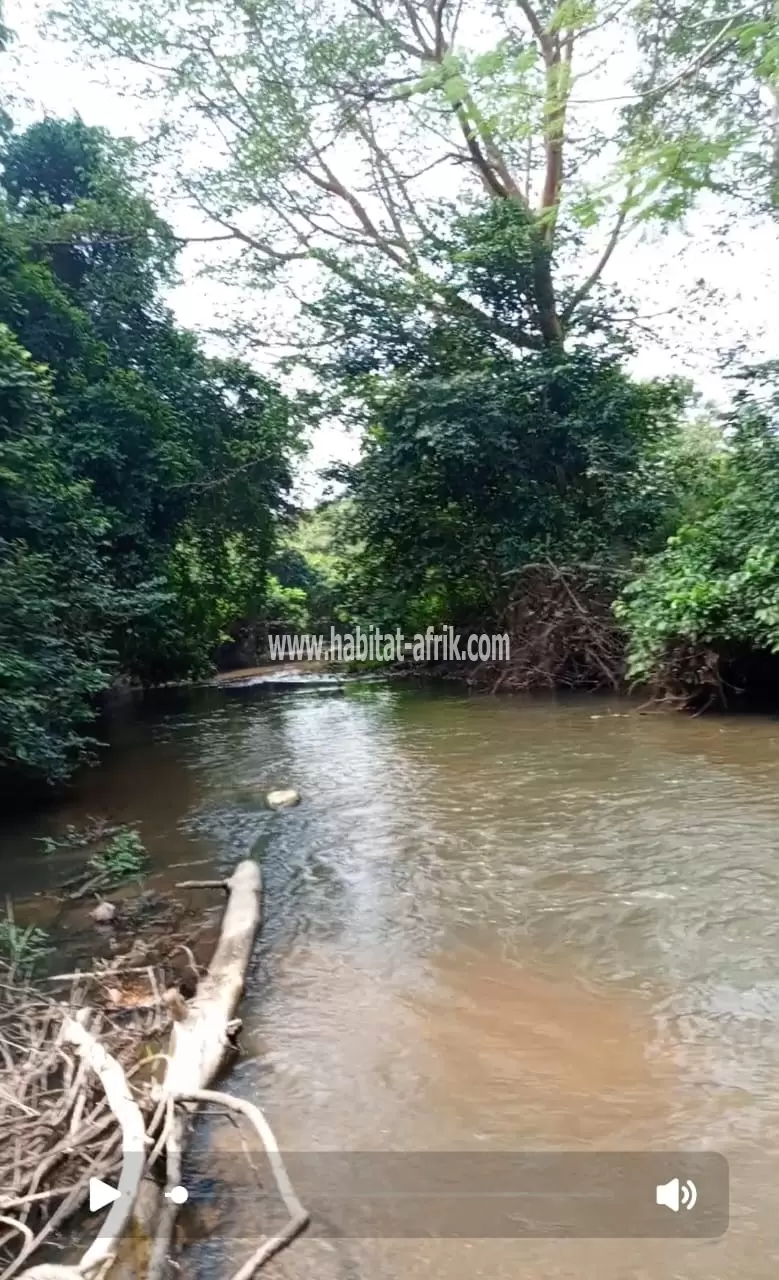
(346, 135)
(707, 604)
(473, 469)
(444, 184)
(318, 557)
(187, 456)
(141, 480)
(55, 611)
(75, 194)
(705, 113)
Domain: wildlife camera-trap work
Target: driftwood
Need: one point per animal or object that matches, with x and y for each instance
(199, 1043)
(57, 1126)
(298, 1216)
(131, 1123)
(130, 1120)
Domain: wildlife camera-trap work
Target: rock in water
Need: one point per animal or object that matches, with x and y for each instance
(282, 799)
(103, 913)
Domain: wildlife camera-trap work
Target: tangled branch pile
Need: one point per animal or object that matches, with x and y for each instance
(86, 1089)
(57, 1128)
(694, 676)
(562, 629)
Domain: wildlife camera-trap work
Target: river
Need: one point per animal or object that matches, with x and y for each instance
(491, 924)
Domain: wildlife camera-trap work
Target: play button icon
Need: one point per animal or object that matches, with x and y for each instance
(101, 1194)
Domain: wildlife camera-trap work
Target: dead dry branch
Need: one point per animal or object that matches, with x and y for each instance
(86, 1090)
(562, 630)
(57, 1124)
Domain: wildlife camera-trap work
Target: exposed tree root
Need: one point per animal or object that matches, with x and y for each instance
(691, 677)
(562, 630)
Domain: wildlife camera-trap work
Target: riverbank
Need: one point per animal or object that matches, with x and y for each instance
(125, 1112)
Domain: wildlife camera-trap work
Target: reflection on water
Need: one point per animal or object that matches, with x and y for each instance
(490, 923)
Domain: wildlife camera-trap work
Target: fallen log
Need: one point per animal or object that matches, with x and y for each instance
(199, 1043)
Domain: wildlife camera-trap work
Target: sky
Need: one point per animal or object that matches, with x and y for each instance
(682, 335)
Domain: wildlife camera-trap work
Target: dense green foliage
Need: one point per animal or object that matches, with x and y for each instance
(715, 586)
(140, 480)
(478, 458)
(443, 192)
(456, 179)
(312, 572)
(471, 471)
(55, 611)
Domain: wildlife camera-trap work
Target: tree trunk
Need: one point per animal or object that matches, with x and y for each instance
(549, 321)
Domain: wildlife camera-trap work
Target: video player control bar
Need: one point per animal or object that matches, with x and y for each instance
(466, 1194)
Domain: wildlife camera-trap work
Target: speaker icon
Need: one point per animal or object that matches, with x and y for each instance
(674, 1194)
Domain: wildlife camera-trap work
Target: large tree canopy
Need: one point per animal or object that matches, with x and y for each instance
(345, 132)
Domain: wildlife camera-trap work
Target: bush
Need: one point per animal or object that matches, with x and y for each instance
(713, 592)
(124, 857)
(54, 615)
(469, 473)
(21, 948)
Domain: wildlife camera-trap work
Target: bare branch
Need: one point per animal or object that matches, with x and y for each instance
(131, 1122)
(373, 10)
(259, 246)
(337, 188)
(588, 285)
(697, 64)
(426, 41)
(536, 26)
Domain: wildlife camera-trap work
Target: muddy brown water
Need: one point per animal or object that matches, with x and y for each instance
(490, 925)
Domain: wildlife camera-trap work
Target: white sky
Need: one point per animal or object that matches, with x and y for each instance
(661, 272)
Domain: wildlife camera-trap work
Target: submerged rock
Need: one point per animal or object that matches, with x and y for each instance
(282, 799)
(103, 913)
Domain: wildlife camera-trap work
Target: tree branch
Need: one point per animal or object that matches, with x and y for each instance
(535, 24)
(592, 279)
(337, 188)
(374, 12)
(659, 90)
